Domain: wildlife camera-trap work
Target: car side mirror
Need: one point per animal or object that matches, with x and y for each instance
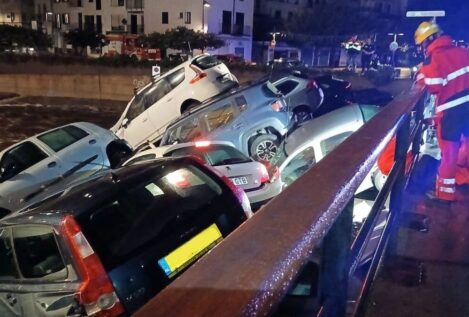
(10, 170)
(125, 122)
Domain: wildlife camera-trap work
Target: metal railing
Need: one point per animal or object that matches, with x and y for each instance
(250, 272)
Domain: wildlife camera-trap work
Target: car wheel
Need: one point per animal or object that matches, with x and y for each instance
(302, 114)
(264, 147)
(190, 106)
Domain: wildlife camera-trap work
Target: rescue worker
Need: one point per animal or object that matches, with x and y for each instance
(445, 73)
(368, 50)
(353, 47)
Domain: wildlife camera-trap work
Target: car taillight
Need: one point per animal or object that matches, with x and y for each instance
(96, 293)
(240, 195)
(202, 143)
(265, 175)
(277, 105)
(272, 171)
(312, 85)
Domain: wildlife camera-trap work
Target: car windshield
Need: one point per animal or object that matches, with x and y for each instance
(213, 154)
(149, 210)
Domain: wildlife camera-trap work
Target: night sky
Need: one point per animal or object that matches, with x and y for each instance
(456, 22)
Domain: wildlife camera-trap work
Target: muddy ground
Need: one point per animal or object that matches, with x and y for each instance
(22, 117)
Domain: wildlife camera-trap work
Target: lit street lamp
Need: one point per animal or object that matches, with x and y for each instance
(205, 4)
(394, 46)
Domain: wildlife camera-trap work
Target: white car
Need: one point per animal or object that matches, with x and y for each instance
(313, 140)
(260, 183)
(163, 100)
(64, 154)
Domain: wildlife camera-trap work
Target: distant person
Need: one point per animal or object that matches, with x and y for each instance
(353, 47)
(368, 50)
(445, 73)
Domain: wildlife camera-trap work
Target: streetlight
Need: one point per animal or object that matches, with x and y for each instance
(205, 4)
(272, 44)
(394, 46)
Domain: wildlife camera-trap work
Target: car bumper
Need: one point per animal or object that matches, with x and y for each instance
(266, 192)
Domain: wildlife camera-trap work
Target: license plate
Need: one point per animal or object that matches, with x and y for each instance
(190, 251)
(240, 181)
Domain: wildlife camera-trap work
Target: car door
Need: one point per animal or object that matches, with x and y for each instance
(297, 164)
(10, 301)
(136, 127)
(80, 152)
(224, 122)
(48, 283)
(23, 169)
(170, 99)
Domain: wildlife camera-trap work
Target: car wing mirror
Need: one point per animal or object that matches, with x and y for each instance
(10, 170)
(125, 122)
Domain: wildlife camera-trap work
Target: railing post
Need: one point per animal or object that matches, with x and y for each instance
(397, 192)
(333, 279)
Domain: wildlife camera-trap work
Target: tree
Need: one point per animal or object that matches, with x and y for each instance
(80, 39)
(23, 37)
(181, 38)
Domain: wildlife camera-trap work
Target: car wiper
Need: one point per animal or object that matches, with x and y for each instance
(60, 178)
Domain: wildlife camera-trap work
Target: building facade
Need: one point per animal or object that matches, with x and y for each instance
(230, 20)
(17, 13)
(57, 17)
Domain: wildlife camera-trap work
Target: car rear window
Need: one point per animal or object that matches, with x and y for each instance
(206, 61)
(37, 253)
(331, 143)
(63, 137)
(158, 212)
(145, 157)
(213, 154)
(219, 116)
(183, 131)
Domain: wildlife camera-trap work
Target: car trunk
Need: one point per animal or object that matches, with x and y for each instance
(248, 176)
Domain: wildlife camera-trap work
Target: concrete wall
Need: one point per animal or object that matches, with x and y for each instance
(113, 87)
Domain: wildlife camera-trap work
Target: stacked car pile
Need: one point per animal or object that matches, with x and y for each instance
(85, 238)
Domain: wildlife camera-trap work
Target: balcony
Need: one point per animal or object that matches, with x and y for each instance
(135, 5)
(235, 29)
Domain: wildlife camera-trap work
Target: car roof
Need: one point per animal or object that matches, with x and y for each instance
(89, 194)
(164, 149)
(318, 126)
(84, 125)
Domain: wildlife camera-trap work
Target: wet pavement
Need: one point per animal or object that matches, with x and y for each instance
(27, 116)
(429, 273)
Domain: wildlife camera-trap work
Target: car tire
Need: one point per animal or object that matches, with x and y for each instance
(301, 114)
(189, 106)
(264, 147)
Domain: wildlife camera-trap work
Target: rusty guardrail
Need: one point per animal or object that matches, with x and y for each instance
(249, 273)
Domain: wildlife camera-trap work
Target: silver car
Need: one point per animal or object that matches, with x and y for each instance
(302, 95)
(253, 118)
(313, 140)
(64, 154)
(259, 180)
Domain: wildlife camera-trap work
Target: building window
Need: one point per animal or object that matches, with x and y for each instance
(188, 18)
(99, 24)
(117, 3)
(98, 4)
(181, 15)
(58, 21)
(65, 18)
(89, 22)
(116, 24)
(239, 26)
(164, 18)
(278, 14)
(80, 21)
(290, 16)
(226, 22)
(79, 4)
